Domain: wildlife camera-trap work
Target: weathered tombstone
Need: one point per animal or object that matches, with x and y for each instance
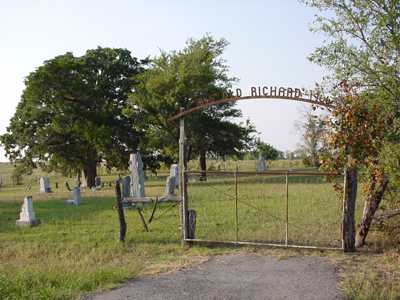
(44, 185)
(27, 216)
(76, 196)
(261, 165)
(137, 175)
(126, 186)
(82, 180)
(174, 174)
(169, 186)
(97, 182)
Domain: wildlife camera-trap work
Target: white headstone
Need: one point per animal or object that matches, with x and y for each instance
(137, 175)
(174, 174)
(76, 196)
(261, 165)
(27, 216)
(169, 186)
(97, 182)
(44, 185)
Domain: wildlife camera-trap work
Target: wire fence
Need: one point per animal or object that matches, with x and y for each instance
(299, 209)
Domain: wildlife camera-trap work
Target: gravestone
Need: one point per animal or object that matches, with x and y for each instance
(76, 196)
(169, 186)
(174, 174)
(27, 216)
(44, 183)
(261, 165)
(97, 181)
(126, 186)
(137, 175)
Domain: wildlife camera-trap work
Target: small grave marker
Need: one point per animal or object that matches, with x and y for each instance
(27, 216)
(76, 196)
(261, 165)
(44, 183)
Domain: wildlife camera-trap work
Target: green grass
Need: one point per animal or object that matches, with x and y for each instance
(313, 211)
(75, 250)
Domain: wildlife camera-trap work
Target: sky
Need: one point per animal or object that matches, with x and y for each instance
(269, 44)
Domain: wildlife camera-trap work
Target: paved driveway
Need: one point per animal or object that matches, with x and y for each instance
(238, 277)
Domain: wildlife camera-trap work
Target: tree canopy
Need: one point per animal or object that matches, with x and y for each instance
(363, 42)
(72, 113)
(181, 79)
(362, 50)
(266, 151)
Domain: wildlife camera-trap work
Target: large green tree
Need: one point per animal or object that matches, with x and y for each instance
(181, 79)
(362, 49)
(362, 43)
(266, 151)
(71, 114)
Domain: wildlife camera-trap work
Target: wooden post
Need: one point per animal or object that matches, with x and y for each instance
(349, 205)
(153, 211)
(121, 214)
(183, 181)
(191, 224)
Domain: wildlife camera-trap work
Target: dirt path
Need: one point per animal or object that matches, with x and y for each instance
(238, 277)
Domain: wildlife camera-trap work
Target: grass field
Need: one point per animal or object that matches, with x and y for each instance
(75, 250)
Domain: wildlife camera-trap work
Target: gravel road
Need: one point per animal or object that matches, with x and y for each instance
(237, 277)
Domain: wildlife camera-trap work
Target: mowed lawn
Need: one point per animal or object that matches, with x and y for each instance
(314, 210)
(76, 250)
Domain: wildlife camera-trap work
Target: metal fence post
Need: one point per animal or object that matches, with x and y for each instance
(287, 209)
(183, 181)
(236, 205)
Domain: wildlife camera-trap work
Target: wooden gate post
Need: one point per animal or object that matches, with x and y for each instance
(183, 180)
(349, 205)
(121, 214)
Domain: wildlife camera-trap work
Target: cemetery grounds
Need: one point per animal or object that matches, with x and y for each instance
(75, 249)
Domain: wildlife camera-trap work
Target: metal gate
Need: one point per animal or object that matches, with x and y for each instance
(279, 208)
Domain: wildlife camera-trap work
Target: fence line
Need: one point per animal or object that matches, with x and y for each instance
(234, 179)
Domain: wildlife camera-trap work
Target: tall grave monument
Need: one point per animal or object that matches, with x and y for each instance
(137, 175)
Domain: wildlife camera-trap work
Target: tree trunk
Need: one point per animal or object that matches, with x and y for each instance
(374, 198)
(203, 165)
(349, 205)
(90, 173)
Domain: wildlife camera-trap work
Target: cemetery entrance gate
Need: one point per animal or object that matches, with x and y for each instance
(281, 208)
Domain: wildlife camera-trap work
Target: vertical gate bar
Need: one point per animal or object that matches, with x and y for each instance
(236, 204)
(287, 209)
(183, 181)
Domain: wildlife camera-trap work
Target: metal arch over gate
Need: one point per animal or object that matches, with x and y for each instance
(267, 93)
(256, 93)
